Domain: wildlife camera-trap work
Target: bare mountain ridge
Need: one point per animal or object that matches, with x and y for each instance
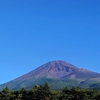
(53, 69)
(59, 70)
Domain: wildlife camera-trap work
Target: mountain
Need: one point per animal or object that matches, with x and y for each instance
(58, 74)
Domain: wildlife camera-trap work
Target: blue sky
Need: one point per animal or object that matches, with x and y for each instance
(33, 32)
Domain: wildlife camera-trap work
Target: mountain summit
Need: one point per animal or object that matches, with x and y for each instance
(59, 70)
(54, 69)
(55, 73)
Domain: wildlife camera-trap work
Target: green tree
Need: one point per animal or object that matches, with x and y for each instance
(6, 94)
(24, 94)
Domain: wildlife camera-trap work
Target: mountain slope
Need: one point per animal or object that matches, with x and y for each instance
(57, 73)
(53, 69)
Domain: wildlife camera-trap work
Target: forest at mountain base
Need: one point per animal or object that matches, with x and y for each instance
(43, 92)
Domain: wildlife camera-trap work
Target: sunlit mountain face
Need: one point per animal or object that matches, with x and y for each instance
(58, 74)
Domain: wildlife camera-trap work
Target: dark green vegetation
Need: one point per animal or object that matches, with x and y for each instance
(43, 92)
(53, 83)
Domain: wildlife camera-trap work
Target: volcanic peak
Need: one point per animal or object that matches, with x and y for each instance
(53, 69)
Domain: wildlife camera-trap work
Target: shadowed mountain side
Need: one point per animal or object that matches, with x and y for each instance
(84, 75)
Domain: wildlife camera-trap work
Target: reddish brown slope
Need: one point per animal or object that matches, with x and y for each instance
(59, 70)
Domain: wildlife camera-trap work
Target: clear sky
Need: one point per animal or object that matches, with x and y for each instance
(33, 32)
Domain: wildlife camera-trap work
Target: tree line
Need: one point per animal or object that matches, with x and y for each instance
(43, 92)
